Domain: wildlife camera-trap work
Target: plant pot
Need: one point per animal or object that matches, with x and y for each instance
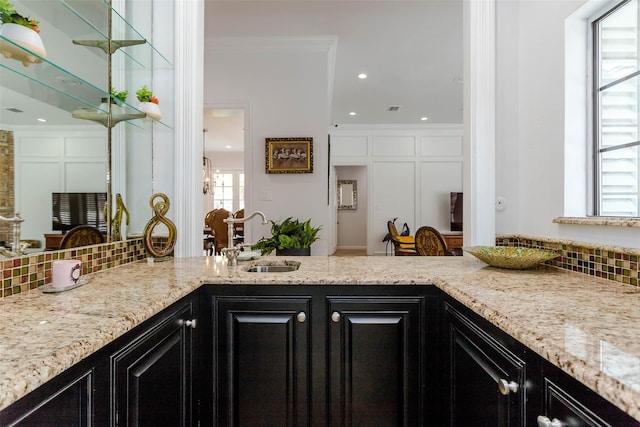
(115, 108)
(25, 38)
(293, 252)
(151, 108)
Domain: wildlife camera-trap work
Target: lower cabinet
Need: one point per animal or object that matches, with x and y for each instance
(263, 375)
(150, 378)
(141, 379)
(485, 380)
(493, 380)
(566, 402)
(318, 356)
(65, 401)
(375, 360)
(324, 355)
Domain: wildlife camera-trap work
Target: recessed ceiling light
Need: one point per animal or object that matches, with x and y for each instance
(353, 113)
(227, 146)
(362, 76)
(42, 120)
(424, 118)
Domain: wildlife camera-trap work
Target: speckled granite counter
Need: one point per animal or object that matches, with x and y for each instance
(587, 326)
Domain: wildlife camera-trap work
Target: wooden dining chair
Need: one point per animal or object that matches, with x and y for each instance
(220, 229)
(82, 235)
(429, 242)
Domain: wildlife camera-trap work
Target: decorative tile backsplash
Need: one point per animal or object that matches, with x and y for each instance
(613, 263)
(7, 196)
(31, 271)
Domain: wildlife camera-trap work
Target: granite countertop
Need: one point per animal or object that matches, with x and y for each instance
(584, 325)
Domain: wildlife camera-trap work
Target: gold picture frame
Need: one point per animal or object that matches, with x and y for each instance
(289, 155)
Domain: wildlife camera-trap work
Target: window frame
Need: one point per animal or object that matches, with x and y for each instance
(594, 68)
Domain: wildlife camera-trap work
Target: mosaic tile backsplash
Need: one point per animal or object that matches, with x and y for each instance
(612, 263)
(29, 272)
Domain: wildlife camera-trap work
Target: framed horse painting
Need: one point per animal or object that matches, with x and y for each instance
(289, 155)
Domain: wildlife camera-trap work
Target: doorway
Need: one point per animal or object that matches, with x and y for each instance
(351, 227)
(223, 178)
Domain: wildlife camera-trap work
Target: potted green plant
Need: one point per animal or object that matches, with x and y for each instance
(119, 96)
(289, 237)
(148, 102)
(23, 31)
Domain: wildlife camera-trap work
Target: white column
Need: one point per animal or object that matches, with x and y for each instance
(479, 122)
(189, 70)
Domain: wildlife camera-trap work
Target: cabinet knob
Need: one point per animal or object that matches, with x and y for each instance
(335, 317)
(507, 387)
(302, 316)
(546, 422)
(189, 323)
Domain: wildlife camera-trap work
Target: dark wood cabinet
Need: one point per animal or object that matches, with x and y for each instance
(493, 380)
(64, 401)
(319, 355)
(566, 402)
(142, 378)
(263, 346)
(151, 375)
(485, 380)
(376, 360)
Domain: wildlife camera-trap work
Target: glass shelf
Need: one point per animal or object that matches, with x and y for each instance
(87, 20)
(49, 83)
(62, 87)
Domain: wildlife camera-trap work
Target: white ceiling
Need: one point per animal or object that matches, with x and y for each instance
(410, 50)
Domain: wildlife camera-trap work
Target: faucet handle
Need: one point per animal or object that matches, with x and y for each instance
(232, 255)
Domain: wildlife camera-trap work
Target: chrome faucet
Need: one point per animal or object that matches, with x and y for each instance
(16, 247)
(230, 251)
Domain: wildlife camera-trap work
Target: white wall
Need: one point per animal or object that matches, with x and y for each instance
(285, 82)
(411, 172)
(531, 133)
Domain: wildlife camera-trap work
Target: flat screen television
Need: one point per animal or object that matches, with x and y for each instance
(456, 211)
(72, 209)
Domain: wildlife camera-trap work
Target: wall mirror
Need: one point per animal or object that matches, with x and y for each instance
(347, 194)
(64, 153)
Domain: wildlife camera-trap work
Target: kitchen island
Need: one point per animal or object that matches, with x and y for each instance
(586, 326)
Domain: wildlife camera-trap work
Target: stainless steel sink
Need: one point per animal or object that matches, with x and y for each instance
(272, 268)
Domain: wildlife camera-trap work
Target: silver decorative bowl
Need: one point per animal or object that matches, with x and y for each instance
(511, 257)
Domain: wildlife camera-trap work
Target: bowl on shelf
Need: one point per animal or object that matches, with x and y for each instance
(511, 257)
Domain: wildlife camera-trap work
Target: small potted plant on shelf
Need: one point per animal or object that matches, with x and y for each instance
(119, 96)
(289, 237)
(117, 99)
(148, 103)
(27, 46)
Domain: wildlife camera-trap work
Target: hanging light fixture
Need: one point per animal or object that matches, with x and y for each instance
(207, 181)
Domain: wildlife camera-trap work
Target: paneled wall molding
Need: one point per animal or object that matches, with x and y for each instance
(411, 170)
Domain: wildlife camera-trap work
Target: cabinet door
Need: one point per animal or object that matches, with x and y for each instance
(485, 379)
(569, 403)
(61, 402)
(376, 361)
(262, 346)
(151, 376)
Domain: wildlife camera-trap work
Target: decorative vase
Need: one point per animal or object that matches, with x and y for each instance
(25, 38)
(151, 108)
(294, 252)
